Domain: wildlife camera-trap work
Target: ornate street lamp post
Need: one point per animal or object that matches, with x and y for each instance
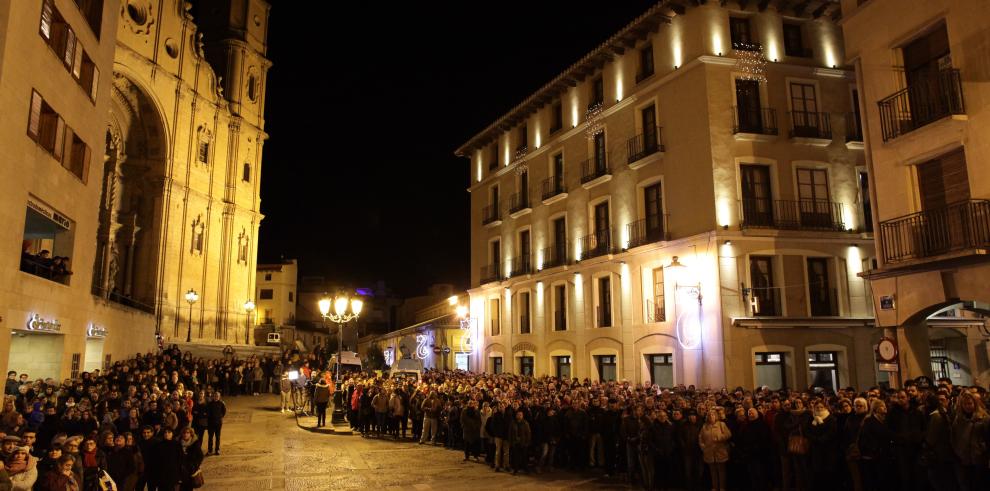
(191, 297)
(341, 316)
(249, 308)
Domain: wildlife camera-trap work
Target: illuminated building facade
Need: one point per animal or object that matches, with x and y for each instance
(128, 158)
(683, 205)
(926, 118)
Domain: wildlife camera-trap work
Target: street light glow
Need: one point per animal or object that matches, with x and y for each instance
(356, 305)
(324, 305)
(340, 305)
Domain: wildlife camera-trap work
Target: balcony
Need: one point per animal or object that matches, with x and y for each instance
(754, 122)
(594, 172)
(811, 127)
(596, 244)
(519, 204)
(804, 214)
(646, 231)
(44, 268)
(645, 144)
(553, 186)
(491, 215)
(554, 256)
(800, 52)
(491, 273)
(765, 302)
(520, 265)
(125, 300)
(931, 98)
(957, 227)
(824, 301)
(854, 132)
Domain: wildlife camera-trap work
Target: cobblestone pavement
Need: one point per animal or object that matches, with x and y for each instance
(265, 449)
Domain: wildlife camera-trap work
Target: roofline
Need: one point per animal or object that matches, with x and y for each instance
(626, 38)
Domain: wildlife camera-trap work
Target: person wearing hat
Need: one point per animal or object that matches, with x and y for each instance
(10, 442)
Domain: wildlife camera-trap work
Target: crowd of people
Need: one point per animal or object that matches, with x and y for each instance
(141, 423)
(926, 436)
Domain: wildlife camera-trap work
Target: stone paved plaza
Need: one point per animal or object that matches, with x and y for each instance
(265, 449)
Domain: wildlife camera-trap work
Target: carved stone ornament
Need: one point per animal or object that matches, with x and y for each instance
(138, 16)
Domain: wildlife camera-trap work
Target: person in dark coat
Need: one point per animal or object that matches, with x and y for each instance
(576, 424)
(610, 422)
(192, 458)
(215, 411)
(121, 464)
(146, 446)
(321, 396)
(907, 422)
(200, 417)
(687, 439)
(167, 455)
(823, 435)
(752, 446)
(520, 436)
(875, 443)
(471, 429)
(662, 436)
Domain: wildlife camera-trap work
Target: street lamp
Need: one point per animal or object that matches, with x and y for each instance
(249, 307)
(191, 297)
(341, 316)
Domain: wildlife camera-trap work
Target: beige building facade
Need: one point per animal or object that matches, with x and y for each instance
(275, 307)
(684, 205)
(135, 165)
(920, 69)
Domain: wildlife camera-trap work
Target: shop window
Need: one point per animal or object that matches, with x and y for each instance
(497, 365)
(606, 367)
(824, 369)
(563, 366)
(47, 244)
(770, 370)
(268, 277)
(661, 369)
(526, 366)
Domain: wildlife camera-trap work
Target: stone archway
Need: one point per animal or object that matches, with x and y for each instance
(128, 241)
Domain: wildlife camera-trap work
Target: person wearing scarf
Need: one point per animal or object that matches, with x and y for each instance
(93, 460)
(192, 457)
(823, 433)
(22, 469)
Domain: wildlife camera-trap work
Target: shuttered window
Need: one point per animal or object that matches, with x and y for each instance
(943, 180)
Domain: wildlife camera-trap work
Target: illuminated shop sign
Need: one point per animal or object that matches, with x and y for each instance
(36, 323)
(96, 331)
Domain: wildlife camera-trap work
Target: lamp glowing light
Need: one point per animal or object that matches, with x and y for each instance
(462, 311)
(340, 305)
(452, 300)
(324, 304)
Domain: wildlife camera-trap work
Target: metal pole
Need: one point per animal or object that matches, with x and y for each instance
(340, 346)
(189, 332)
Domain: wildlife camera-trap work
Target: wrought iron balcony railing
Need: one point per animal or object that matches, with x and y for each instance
(762, 121)
(804, 214)
(806, 124)
(520, 265)
(555, 255)
(594, 168)
(519, 201)
(929, 98)
(956, 227)
(646, 231)
(491, 272)
(647, 143)
(490, 214)
(552, 186)
(596, 244)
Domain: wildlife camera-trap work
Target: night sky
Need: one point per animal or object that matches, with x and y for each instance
(366, 107)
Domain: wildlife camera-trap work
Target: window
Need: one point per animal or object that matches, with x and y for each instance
(266, 294)
(47, 243)
(864, 199)
(558, 251)
(203, 153)
(606, 367)
(562, 364)
(601, 166)
(823, 366)
(242, 247)
(268, 277)
(495, 265)
(661, 369)
(805, 119)
(814, 205)
(794, 41)
(741, 34)
(655, 309)
(597, 93)
(757, 200)
(496, 365)
(770, 370)
(822, 296)
(645, 62)
(246, 174)
(524, 326)
(495, 314)
(493, 160)
(49, 130)
(92, 10)
(63, 41)
(942, 181)
(526, 365)
(556, 117)
(765, 299)
(653, 206)
(291, 297)
(521, 264)
(604, 302)
(560, 308)
(749, 109)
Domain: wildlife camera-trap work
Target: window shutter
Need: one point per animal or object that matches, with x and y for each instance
(77, 62)
(46, 20)
(60, 139)
(69, 54)
(34, 118)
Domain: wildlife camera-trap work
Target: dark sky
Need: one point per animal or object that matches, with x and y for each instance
(365, 108)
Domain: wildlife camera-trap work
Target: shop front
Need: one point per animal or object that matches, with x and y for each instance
(95, 337)
(36, 347)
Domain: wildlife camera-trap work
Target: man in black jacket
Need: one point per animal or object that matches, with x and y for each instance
(215, 410)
